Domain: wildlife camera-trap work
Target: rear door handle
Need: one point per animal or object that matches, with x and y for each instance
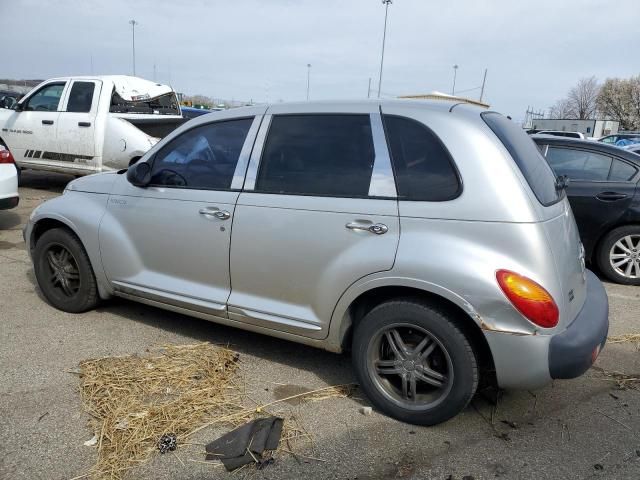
(215, 212)
(610, 196)
(377, 228)
(84, 124)
(47, 122)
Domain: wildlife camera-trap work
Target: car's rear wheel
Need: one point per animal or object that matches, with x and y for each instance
(619, 255)
(413, 362)
(63, 271)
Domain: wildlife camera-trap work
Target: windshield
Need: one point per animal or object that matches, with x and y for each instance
(163, 105)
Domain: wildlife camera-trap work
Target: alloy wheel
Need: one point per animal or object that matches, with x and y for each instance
(63, 274)
(624, 256)
(410, 366)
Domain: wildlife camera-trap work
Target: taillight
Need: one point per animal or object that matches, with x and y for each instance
(529, 298)
(5, 155)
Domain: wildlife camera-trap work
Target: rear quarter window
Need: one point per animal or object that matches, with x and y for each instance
(527, 156)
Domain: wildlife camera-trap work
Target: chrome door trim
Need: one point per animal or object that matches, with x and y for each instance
(274, 322)
(252, 171)
(146, 295)
(382, 181)
(245, 153)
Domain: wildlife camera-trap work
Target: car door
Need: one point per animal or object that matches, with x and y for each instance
(600, 189)
(30, 132)
(317, 213)
(77, 125)
(169, 242)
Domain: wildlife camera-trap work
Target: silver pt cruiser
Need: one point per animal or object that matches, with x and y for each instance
(431, 239)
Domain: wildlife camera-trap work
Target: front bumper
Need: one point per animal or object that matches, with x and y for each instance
(10, 202)
(572, 352)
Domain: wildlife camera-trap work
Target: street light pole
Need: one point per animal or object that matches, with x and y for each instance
(308, 79)
(133, 24)
(384, 39)
(455, 71)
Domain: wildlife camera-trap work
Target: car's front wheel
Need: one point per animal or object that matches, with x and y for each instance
(413, 362)
(619, 255)
(63, 271)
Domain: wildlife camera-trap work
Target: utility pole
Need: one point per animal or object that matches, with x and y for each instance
(386, 4)
(308, 79)
(455, 71)
(91, 58)
(369, 89)
(133, 24)
(484, 80)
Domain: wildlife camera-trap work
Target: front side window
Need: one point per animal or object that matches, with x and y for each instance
(329, 155)
(81, 97)
(424, 168)
(46, 99)
(204, 157)
(579, 164)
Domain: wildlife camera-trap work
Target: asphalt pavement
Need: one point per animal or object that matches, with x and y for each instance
(577, 429)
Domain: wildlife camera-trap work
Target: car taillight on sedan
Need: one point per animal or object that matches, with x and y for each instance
(5, 155)
(529, 298)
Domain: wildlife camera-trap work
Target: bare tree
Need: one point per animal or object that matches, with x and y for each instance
(582, 98)
(561, 109)
(619, 99)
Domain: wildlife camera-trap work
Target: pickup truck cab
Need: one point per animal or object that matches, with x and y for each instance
(83, 125)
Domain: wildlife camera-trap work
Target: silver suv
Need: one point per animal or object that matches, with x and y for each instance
(429, 238)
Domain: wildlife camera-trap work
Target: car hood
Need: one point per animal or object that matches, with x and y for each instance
(96, 183)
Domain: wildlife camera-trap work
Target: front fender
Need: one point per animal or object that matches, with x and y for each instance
(81, 212)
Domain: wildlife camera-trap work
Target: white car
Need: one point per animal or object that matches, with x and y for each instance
(83, 125)
(8, 180)
(561, 133)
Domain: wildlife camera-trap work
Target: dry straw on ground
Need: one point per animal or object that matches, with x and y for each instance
(180, 389)
(626, 338)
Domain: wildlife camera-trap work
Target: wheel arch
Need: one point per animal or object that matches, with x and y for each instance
(45, 224)
(349, 313)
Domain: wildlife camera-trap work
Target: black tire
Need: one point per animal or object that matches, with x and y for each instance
(606, 249)
(78, 292)
(452, 357)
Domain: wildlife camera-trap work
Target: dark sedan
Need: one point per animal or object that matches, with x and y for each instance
(605, 198)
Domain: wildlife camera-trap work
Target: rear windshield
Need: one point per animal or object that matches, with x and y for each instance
(527, 156)
(166, 104)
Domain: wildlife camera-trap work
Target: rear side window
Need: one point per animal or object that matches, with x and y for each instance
(80, 97)
(621, 171)
(524, 152)
(423, 167)
(329, 155)
(579, 164)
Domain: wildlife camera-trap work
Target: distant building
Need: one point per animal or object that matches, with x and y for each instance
(590, 128)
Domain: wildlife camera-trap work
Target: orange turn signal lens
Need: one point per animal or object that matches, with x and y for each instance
(529, 298)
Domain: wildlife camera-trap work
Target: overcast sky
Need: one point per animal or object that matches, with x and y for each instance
(259, 49)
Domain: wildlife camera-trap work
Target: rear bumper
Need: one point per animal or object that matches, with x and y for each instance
(572, 352)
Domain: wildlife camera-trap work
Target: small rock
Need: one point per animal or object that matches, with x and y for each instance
(91, 443)
(598, 466)
(366, 410)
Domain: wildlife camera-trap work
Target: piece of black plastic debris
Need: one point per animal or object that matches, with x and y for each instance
(265, 462)
(468, 477)
(412, 432)
(615, 397)
(598, 466)
(246, 443)
(167, 443)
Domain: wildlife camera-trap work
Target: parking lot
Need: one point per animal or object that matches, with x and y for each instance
(583, 428)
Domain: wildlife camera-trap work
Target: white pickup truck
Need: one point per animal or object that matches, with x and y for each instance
(83, 125)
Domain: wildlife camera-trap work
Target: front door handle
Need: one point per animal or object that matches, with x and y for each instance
(610, 196)
(215, 212)
(377, 228)
(47, 122)
(84, 124)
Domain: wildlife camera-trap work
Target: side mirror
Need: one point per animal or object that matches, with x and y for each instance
(139, 174)
(18, 107)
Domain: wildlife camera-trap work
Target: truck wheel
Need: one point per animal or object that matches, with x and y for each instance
(64, 272)
(413, 363)
(619, 255)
